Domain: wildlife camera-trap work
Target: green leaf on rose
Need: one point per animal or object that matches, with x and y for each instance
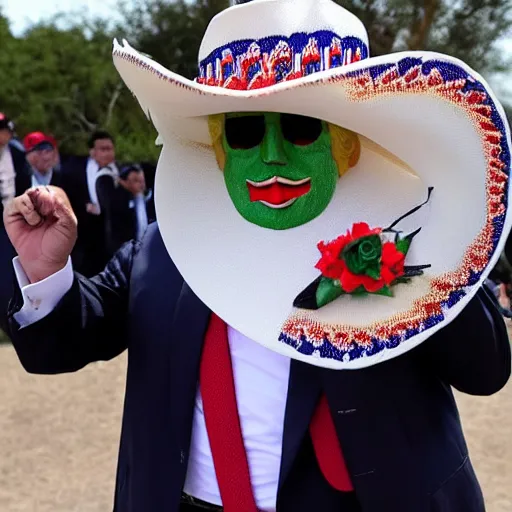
(386, 291)
(360, 292)
(373, 272)
(327, 291)
(402, 280)
(403, 245)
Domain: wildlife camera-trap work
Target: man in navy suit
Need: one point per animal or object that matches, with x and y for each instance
(80, 177)
(403, 445)
(129, 207)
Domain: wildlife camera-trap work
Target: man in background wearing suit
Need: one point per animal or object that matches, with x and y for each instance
(80, 181)
(129, 208)
(12, 161)
(13, 171)
(41, 155)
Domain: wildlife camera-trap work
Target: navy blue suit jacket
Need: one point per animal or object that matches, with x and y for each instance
(397, 422)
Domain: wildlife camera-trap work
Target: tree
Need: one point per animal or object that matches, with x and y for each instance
(467, 29)
(170, 31)
(62, 81)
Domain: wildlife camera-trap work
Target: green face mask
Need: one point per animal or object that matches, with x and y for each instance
(279, 168)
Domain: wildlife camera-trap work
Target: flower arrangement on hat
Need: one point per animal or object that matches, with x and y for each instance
(359, 262)
(362, 261)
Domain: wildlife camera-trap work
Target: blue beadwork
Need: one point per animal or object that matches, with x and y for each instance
(456, 296)
(297, 43)
(474, 277)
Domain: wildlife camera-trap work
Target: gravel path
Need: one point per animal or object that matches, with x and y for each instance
(59, 439)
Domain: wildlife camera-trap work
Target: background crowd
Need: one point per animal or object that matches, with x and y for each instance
(113, 202)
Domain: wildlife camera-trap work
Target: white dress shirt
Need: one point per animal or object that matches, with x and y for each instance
(93, 174)
(261, 384)
(39, 179)
(7, 175)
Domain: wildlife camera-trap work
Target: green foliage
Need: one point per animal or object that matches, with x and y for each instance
(59, 77)
(62, 81)
(170, 31)
(467, 29)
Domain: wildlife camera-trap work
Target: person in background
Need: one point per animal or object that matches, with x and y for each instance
(12, 161)
(130, 207)
(14, 141)
(500, 282)
(79, 180)
(13, 171)
(149, 169)
(41, 154)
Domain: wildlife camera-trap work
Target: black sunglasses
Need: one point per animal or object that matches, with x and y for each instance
(247, 132)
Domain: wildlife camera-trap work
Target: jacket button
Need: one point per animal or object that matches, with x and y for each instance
(182, 457)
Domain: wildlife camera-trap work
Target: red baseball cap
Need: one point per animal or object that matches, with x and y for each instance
(38, 140)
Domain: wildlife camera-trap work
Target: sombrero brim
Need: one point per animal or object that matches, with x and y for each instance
(432, 112)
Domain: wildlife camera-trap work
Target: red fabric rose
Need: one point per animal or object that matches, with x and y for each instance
(393, 259)
(330, 264)
(333, 266)
(362, 229)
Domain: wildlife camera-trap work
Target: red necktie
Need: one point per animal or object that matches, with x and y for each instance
(225, 433)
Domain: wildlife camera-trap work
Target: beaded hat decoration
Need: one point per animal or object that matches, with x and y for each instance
(414, 226)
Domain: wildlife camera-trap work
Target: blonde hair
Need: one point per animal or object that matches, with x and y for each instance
(345, 148)
(345, 145)
(216, 127)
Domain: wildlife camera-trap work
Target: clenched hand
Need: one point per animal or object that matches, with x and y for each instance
(43, 229)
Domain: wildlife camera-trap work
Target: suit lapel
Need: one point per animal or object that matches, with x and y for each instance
(188, 330)
(303, 393)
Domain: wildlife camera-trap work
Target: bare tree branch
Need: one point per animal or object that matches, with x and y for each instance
(81, 117)
(112, 103)
(420, 28)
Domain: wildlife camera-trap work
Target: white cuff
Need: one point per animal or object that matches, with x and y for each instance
(40, 299)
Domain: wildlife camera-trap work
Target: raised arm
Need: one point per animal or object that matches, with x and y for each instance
(60, 321)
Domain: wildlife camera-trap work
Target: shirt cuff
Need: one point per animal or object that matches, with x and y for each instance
(40, 299)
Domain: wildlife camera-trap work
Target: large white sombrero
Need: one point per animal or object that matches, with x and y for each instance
(424, 119)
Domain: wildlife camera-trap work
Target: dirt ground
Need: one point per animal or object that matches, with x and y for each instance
(59, 439)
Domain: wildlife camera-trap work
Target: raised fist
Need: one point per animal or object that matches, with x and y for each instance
(42, 228)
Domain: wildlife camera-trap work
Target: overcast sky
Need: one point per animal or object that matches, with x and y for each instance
(24, 12)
